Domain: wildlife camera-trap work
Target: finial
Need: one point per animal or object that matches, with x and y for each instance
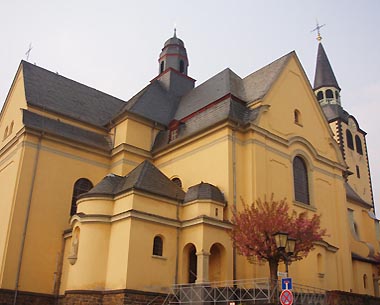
(317, 28)
(175, 31)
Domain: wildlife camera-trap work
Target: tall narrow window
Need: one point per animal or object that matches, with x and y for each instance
(358, 143)
(329, 94)
(162, 66)
(11, 127)
(301, 181)
(181, 66)
(157, 246)
(5, 133)
(320, 95)
(297, 117)
(357, 171)
(350, 141)
(365, 284)
(81, 186)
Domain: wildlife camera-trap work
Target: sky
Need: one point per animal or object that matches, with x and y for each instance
(113, 46)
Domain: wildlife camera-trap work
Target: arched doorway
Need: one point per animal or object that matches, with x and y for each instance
(216, 263)
(190, 263)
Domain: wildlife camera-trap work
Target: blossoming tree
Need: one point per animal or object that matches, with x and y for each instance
(255, 225)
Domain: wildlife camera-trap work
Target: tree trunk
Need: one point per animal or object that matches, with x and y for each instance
(273, 268)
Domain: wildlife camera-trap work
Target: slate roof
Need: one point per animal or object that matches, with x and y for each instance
(228, 109)
(204, 191)
(154, 103)
(335, 111)
(251, 88)
(70, 132)
(324, 75)
(351, 194)
(59, 94)
(145, 177)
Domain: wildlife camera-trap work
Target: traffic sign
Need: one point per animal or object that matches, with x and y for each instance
(282, 274)
(286, 283)
(286, 297)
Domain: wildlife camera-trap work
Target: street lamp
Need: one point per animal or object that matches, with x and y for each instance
(286, 246)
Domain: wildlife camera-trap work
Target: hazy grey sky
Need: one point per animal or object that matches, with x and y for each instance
(113, 46)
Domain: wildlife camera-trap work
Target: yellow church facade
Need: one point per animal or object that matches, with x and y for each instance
(101, 196)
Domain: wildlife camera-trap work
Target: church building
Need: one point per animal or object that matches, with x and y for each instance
(104, 200)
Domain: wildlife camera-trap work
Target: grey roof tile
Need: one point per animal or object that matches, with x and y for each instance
(228, 109)
(154, 103)
(106, 187)
(70, 132)
(257, 84)
(213, 89)
(351, 194)
(324, 75)
(204, 191)
(335, 111)
(59, 94)
(145, 177)
(249, 89)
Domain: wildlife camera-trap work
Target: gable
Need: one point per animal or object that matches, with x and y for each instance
(295, 113)
(11, 116)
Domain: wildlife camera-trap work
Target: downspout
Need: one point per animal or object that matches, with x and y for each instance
(234, 195)
(177, 254)
(17, 282)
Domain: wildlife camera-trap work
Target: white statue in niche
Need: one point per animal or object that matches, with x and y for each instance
(73, 256)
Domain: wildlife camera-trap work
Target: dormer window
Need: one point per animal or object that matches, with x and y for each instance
(173, 134)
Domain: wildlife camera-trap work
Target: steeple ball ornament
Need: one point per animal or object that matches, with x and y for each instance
(318, 29)
(173, 55)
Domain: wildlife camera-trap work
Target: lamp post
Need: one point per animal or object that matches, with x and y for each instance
(286, 246)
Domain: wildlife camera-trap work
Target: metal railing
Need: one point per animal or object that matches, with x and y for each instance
(252, 291)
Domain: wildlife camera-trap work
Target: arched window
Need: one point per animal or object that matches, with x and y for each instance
(320, 95)
(365, 281)
(81, 186)
(350, 141)
(329, 94)
(358, 143)
(157, 246)
(297, 117)
(301, 181)
(181, 66)
(162, 66)
(177, 181)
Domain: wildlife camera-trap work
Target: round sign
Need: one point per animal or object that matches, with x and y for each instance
(286, 297)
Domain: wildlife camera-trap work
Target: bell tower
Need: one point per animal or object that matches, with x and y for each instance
(173, 65)
(173, 56)
(350, 137)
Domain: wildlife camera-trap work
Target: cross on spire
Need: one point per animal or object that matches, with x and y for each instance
(318, 28)
(27, 53)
